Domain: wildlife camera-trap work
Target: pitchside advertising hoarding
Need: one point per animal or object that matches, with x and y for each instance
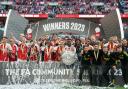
(45, 72)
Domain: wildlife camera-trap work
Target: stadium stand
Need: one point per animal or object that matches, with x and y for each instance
(63, 6)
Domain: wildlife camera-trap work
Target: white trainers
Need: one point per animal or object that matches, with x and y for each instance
(125, 86)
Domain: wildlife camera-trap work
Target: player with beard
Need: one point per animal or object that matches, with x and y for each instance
(85, 64)
(79, 48)
(13, 54)
(123, 57)
(60, 49)
(34, 52)
(69, 53)
(42, 47)
(113, 63)
(69, 46)
(54, 55)
(125, 45)
(59, 52)
(22, 48)
(5, 50)
(107, 64)
(22, 51)
(125, 62)
(47, 52)
(111, 60)
(96, 59)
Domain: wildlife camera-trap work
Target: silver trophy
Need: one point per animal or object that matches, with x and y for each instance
(69, 57)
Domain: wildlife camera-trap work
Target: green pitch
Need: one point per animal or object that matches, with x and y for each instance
(89, 87)
(54, 86)
(121, 88)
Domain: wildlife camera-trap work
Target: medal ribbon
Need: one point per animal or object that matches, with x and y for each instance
(96, 54)
(22, 48)
(3, 48)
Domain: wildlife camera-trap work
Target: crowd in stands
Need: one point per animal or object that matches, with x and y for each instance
(125, 26)
(62, 6)
(126, 29)
(1, 24)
